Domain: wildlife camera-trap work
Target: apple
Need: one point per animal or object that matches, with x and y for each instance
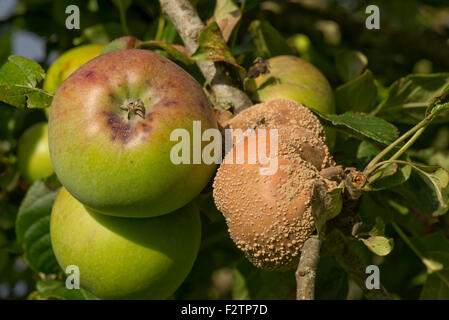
(67, 63)
(295, 79)
(110, 132)
(125, 258)
(33, 153)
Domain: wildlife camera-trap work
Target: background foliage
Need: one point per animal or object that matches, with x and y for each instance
(392, 73)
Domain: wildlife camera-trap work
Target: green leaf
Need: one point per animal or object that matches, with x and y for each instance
(175, 51)
(19, 78)
(409, 97)
(361, 126)
(374, 214)
(268, 41)
(227, 14)
(120, 44)
(434, 251)
(425, 190)
(33, 227)
(367, 150)
(352, 256)
(358, 95)
(54, 289)
(379, 245)
(212, 46)
(350, 64)
(392, 174)
(333, 206)
(170, 33)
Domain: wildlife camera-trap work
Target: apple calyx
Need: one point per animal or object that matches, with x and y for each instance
(135, 107)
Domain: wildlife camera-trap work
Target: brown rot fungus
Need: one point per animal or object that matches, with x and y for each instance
(269, 207)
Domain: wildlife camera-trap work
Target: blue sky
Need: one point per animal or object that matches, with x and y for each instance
(24, 43)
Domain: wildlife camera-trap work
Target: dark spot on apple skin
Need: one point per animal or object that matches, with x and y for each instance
(145, 127)
(89, 74)
(120, 128)
(125, 131)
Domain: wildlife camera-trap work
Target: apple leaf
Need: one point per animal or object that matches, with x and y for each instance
(353, 257)
(358, 95)
(333, 206)
(361, 126)
(434, 254)
(19, 78)
(409, 97)
(350, 64)
(227, 14)
(175, 51)
(120, 44)
(268, 41)
(391, 175)
(54, 289)
(425, 190)
(212, 46)
(33, 226)
(379, 245)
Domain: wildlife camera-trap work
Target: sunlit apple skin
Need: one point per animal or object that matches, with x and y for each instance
(295, 79)
(120, 166)
(125, 258)
(67, 63)
(33, 153)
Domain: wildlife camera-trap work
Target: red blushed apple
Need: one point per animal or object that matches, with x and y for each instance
(109, 134)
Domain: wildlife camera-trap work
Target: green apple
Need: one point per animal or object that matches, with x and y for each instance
(33, 153)
(110, 132)
(295, 79)
(125, 258)
(67, 63)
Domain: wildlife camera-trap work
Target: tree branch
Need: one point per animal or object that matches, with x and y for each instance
(189, 26)
(306, 272)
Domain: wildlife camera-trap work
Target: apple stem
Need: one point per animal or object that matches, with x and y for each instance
(134, 107)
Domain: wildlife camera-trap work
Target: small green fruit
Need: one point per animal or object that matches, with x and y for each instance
(295, 79)
(123, 258)
(67, 63)
(33, 153)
